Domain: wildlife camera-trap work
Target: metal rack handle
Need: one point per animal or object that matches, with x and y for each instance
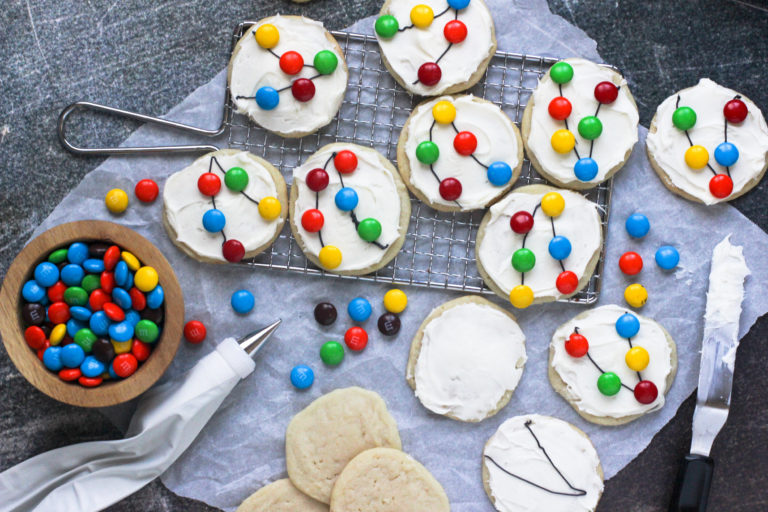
(85, 105)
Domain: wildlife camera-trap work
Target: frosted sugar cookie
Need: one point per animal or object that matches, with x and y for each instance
(280, 496)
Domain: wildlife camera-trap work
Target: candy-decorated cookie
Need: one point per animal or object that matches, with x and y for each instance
(288, 74)
(349, 209)
(539, 244)
(459, 153)
(535, 462)
(580, 124)
(466, 359)
(226, 206)
(280, 496)
(436, 47)
(708, 143)
(612, 365)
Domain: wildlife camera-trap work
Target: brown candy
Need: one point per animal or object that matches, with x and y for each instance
(155, 315)
(389, 324)
(103, 350)
(33, 314)
(97, 250)
(325, 313)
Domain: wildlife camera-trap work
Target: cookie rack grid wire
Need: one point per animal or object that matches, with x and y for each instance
(439, 248)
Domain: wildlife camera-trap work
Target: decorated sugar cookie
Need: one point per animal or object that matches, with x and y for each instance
(349, 209)
(539, 244)
(535, 462)
(226, 206)
(612, 365)
(466, 359)
(459, 153)
(288, 74)
(580, 124)
(708, 143)
(436, 47)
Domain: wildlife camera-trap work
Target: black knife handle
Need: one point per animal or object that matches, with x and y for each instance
(693, 482)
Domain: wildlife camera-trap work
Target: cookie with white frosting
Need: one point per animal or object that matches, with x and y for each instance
(288, 74)
(349, 209)
(225, 206)
(613, 366)
(535, 462)
(539, 244)
(580, 124)
(466, 359)
(708, 143)
(436, 47)
(459, 153)
(280, 496)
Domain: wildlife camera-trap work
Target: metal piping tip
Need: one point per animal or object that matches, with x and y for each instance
(252, 342)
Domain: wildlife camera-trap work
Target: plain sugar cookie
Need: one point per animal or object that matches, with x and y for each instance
(329, 432)
(280, 496)
(387, 480)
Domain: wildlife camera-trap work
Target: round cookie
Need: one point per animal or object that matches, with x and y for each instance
(535, 462)
(734, 157)
(466, 359)
(595, 375)
(329, 432)
(579, 127)
(387, 480)
(247, 229)
(288, 74)
(551, 223)
(280, 496)
(334, 237)
(436, 47)
(478, 146)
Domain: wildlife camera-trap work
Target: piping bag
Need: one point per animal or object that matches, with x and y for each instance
(91, 476)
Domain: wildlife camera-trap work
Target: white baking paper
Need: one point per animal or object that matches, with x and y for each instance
(242, 448)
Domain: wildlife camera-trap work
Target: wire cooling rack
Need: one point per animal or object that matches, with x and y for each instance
(439, 248)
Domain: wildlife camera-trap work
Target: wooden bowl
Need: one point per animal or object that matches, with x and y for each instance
(25, 359)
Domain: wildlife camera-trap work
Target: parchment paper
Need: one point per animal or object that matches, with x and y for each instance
(241, 449)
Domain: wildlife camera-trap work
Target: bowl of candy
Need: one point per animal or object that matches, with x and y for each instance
(91, 313)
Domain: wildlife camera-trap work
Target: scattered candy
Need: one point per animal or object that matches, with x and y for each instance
(389, 324)
(325, 313)
(395, 301)
(356, 338)
(116, 200)
(194, 331)
(636, 295)
(359, 309)
(146, 190)
(302, 376)
(637, 225)
(631, 263)
(667, 257)
(242, 301)
(332, 353)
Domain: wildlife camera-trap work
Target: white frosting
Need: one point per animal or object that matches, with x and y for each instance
(579, 222)
(496, 141)
(608, 350)
(471, 355)
(668, 144)
(514, 448)
(185, 205)
(406, 51)
(254, 67)
(619, 119)
(377, 197)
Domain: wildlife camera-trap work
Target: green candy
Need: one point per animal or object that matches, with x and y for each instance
(146, 331)
(325, 62)
(369, 229)
(590, 127)
(684, 118)
(561, 72)
(236, 179)
(332, 353)
(386, 26)
(427, 152)
(90, 282)
(609, 383)
(75, 296)
(85, 338)
(58, 256)
(523, 260)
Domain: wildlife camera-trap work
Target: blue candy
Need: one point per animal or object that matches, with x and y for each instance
(155, 298)
(267, 98)
(667, 257)
(585, 169)
(726, 154)
(99, 323)
(359, 309)
(73, 326)
(121, 273)
(302, 376)
(80, 313)
(346, 199)
(52, 359)
(77, 253)
(627, 325)
(72, 274)
(32, 292)
(46, 274)
(637, 225)
(122, 298)
(72, 355)
(121, 331)
(94, 266)
(214, 220)
(458, 4)
(112, 373)
(132, 317)
(92, 367)
(242, 301)
(559, 247)
(499, 173)
(129, 281)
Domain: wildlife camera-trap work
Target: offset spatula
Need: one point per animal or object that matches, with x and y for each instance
(718, 353)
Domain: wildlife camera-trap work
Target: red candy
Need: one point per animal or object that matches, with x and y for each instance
(194, 331)
(465, 143)
(560, 108)
(631, 263)
(124, 365)
(345, 162)
(209, 184)
(58, 313)
(317, 179)
(41, 350)
(90, 382)
(138, 300)
(140, 350)
(312, 220)
(233, 250)
(429, 73)
(114, 312)
(146, 190)
(97, 299)
(107, 281)
(450, 189)
(111, 257)
(56, 292)
(576, 345)
(646, 392)
(567, 282)
(455, 31)
(721, 186)
(291, 62)
(735, 111)
(303, 89)
(70, 374)
(356, 338)
(521, 222)
(606, 92)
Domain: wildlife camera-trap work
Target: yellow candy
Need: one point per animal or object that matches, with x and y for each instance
(130, 260)
(269, 208)
(552, 204)
(57, 334)
(637, 359)
(444, 112)
(106, 376)
(636, 295)
(422, 16)
(696, 157)
(267, 36)
(121, 347)
(563, 141)
(521, 296)
(146, 279)
(395, 301)
(330, 257)
(116, 200)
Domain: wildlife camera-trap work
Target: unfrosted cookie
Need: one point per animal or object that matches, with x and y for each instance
(387, 480)
(535, 462)
(611, 365)
(349, 209)
(288, 74)
(459, 153)
(329, 432)
(708, 143)
(226, 206)
(580, 124)
(539, 244)
(280, 496)
(436, 47)
(466, 359)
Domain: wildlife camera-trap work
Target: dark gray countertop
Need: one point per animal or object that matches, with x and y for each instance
(147, 56)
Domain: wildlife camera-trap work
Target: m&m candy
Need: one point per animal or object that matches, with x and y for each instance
(369, 229)
(523, 260)
(146, 190)
(521, 222)
(267, 98)
(559, 247)
(444, 112)
(325, 313)
(627, 325)
(386, 26)
(302, 376)
(721, 186)
(521, 296)
(646, 392)
(561, 72)
(359, 309)
(332, 353)
(427, 152)
(552, 204)
(356, 338)
(346, 199)
(576, 345)
(291, 62)
(116, 200)
(242, 301)
(267, 36)
(303, 89)
(585, 169)
(606, 92)
(637, 359)
(735, 110)
(567, 282)
(455, 31)
(270, 208)
(563, 141)
(422, 16)
(429, 73)
(194, 331)
(389, 324)
(637, 225)
(330, 257)
(325, 62)
(345, 161)
(667, 257)
(317, 179)
(560, 108)
(636, 295)
(609, 383)
(395, 301)
(630, 263)
(450, 189)
(499, 173)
